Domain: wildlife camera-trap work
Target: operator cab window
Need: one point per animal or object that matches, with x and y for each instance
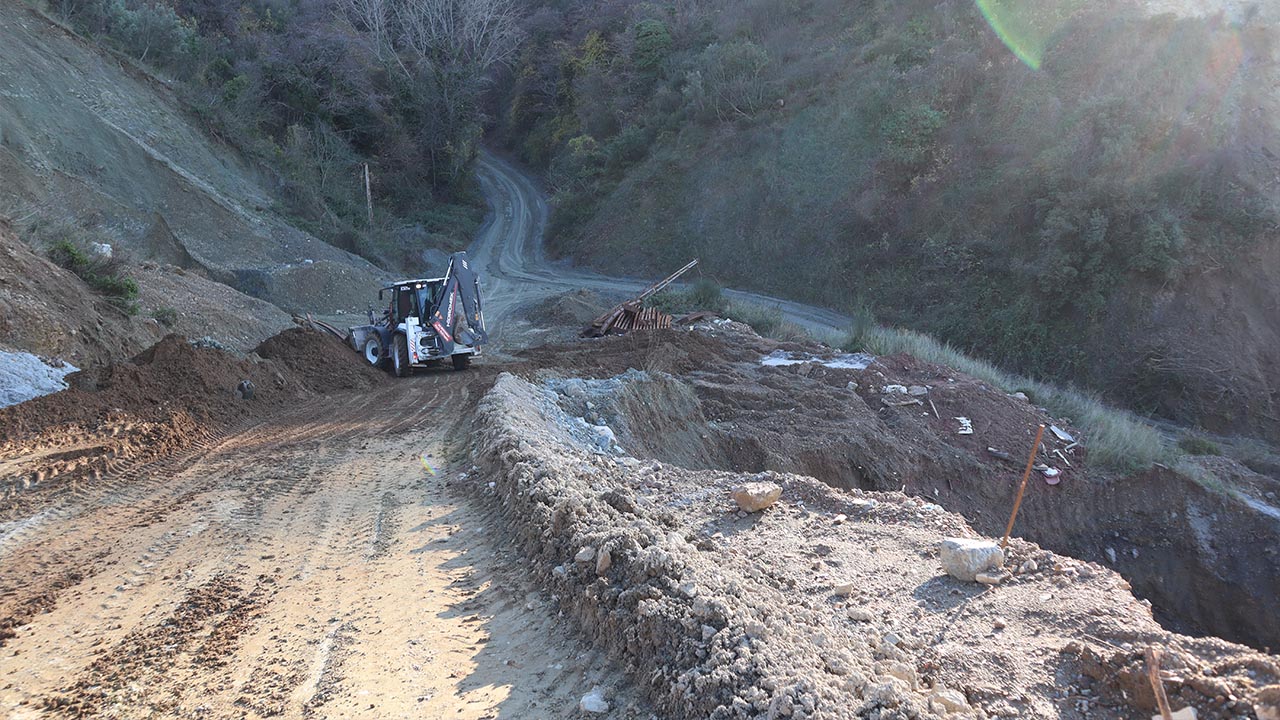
(404, 303)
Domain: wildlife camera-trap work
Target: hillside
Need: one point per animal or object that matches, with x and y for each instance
(1084, 195)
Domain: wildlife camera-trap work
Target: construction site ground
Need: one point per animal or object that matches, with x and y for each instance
(348, 545)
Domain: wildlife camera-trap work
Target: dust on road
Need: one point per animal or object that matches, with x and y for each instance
(316, 566)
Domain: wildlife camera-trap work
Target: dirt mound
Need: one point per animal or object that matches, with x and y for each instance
(322, 363)
(1204, 557)
(829, 604)
(167, 398)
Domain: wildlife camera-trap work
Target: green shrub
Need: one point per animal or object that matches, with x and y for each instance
(166, 316)
(764, 320)
(106, 275)
(653, 43)
(1195, 445)
(864, 322)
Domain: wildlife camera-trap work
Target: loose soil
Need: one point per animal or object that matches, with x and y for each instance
(728, 615)
(1208, 560)
(345, 545)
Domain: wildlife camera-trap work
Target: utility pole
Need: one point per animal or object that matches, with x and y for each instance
(368, 194)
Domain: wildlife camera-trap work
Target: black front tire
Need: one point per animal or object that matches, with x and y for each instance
(461, 362)
(400, 356)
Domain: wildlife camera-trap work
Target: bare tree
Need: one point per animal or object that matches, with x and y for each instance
(474, 34)
(373, 18)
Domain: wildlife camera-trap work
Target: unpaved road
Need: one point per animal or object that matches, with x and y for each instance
(514, 269)
(315, 566)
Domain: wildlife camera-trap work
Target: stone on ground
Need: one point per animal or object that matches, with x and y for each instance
(756, 496)
(964, 558)
(594, 702)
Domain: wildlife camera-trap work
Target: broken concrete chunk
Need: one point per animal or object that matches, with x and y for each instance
(859, 614)
(1267, 703)
(948, 702)
(756, 496)
(843, 589)
(603, 562)
(1061, 434)
(894, 390)
(586, 554)
(594, 702)
(990, 578)
(964, 558)
(917, 390)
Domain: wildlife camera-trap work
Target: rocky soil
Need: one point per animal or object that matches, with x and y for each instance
(49, 311)
(1208, 560)
(830, 603)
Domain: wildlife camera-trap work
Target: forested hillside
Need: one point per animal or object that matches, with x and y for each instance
(315, 89)
(1081, 191)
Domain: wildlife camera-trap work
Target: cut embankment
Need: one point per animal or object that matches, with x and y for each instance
(1207, 558)
(828, 604)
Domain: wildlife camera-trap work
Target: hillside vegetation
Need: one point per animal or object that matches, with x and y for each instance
(311, 92)
(1077, 191)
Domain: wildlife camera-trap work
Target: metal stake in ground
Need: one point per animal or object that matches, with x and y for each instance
(1023, 487)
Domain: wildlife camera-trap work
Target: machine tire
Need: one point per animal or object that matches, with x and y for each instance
(461, 362)
(400, 357)
(373, 351)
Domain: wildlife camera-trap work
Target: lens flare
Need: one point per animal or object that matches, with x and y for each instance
(426, 465)
(1027, 26)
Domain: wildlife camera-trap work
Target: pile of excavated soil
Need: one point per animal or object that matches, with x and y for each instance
(167, 398)
(829, 604)
(320, 362)
(1208, 560)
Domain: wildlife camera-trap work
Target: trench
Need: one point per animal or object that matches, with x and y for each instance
(1206, 561)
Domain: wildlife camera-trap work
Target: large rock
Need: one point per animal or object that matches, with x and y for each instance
(594, 702)
(756, 496)
(964, 558)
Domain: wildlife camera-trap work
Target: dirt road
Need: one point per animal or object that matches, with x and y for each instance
(508, 250)
(316, 566)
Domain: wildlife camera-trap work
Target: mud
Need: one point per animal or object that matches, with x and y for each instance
(717, 615)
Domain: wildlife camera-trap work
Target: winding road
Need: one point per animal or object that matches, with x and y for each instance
(508, 251)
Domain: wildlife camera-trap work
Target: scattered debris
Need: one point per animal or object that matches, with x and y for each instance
(1000, 454)
(756, 496)
(966, 426)
(245, 390)
(632, 315)
(1061, 434)
(964, 558)
(847, 361)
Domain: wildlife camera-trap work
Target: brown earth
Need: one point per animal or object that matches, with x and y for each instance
(1207, 559)
(348, 546)
(49, 311)
(723, 614)
(124, 415)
